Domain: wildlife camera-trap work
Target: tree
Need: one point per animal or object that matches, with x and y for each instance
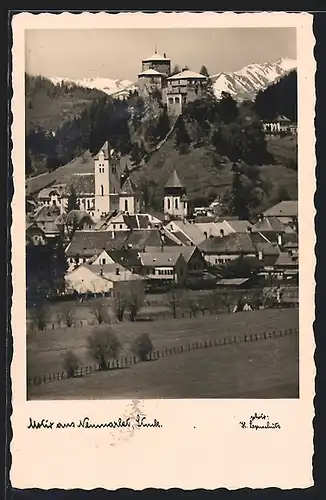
(135, 154)
(163, 125)
(46, 266)
(203, 71)
(72, 200)
(100, 312)
(71, 363)
(175, 70)
(175, 299)
(120, 304)
(103, 345)
(134, 303)
(142, 346)
(227, 108)
(182, 139)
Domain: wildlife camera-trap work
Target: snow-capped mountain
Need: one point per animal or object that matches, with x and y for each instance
(246, 83)
(110, 87)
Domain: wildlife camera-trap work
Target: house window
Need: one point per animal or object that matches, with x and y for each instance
(102, 190)
(176, 204)
(103, 261)
(88, 204)
(126, 205)
(216, 261)
(113, 226)
(177, 100)
(84, 260)
(170, 100)
(169, 204)
(120, 226)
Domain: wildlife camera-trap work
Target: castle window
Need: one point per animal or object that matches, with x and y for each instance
(176, 204)
(177, 100)
(169, 204)
(126, 205)
(170, 100)
(102, 190)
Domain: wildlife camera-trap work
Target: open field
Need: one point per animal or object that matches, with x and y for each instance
(263, 369)
(45, 350)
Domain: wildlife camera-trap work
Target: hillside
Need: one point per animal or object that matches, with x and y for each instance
(49, 104)
(206, 177)
(248, 81)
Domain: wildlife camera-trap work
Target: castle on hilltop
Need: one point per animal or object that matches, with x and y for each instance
(176, 89)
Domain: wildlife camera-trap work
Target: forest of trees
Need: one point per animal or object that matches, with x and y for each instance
(279, 99)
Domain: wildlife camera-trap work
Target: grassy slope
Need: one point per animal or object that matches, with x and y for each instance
(262, 369)
(45, 350)
(197, 171)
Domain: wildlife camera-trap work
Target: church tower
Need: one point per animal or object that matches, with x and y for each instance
(107, 181)
(175, 198)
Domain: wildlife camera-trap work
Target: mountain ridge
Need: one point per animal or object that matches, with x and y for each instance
(243, 84)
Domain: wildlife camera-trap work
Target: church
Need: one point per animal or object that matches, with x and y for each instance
(99, 193)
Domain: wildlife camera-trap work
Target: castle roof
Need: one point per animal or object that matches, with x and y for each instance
(156, 58)
(151, 72)
(173, 181)
(187, 75)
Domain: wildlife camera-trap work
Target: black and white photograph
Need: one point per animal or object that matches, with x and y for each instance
(161, 188)
(162, 313)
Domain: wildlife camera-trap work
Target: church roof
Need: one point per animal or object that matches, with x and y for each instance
(156, 57)
(107, 150)
(173, 181)
(128, 187)
(187, 75)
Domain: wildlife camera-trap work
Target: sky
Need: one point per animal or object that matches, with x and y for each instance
(117, 53)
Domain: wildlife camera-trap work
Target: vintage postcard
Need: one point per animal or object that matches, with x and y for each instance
(163, 250)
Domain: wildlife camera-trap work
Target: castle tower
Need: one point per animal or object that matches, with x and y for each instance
(175, 198)
(107, 181)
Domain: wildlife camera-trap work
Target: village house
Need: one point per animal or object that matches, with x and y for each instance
(281, 124)
(104, 279)
(285, 211)
(52, 196)
(164, 266)
(192, 256)
(222, 249)
(46, 218)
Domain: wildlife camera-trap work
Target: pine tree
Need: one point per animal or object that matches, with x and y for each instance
(182, 139)
(72, 200)
(163, 125)
(204, 71)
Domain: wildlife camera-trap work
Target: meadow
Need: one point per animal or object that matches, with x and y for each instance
(270, 365)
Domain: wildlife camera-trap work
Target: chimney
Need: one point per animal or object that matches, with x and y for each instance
(221, 233)
(117, 271)
(279, 240)
(164, 55)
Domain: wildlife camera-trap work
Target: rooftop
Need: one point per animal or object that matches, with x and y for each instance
(287, 208)
(156, 58)
(157, 259)
(173, 181)
(151, 72)
(187, 75)
(233, 243)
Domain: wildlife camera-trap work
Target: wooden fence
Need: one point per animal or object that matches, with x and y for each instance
(127, 361)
